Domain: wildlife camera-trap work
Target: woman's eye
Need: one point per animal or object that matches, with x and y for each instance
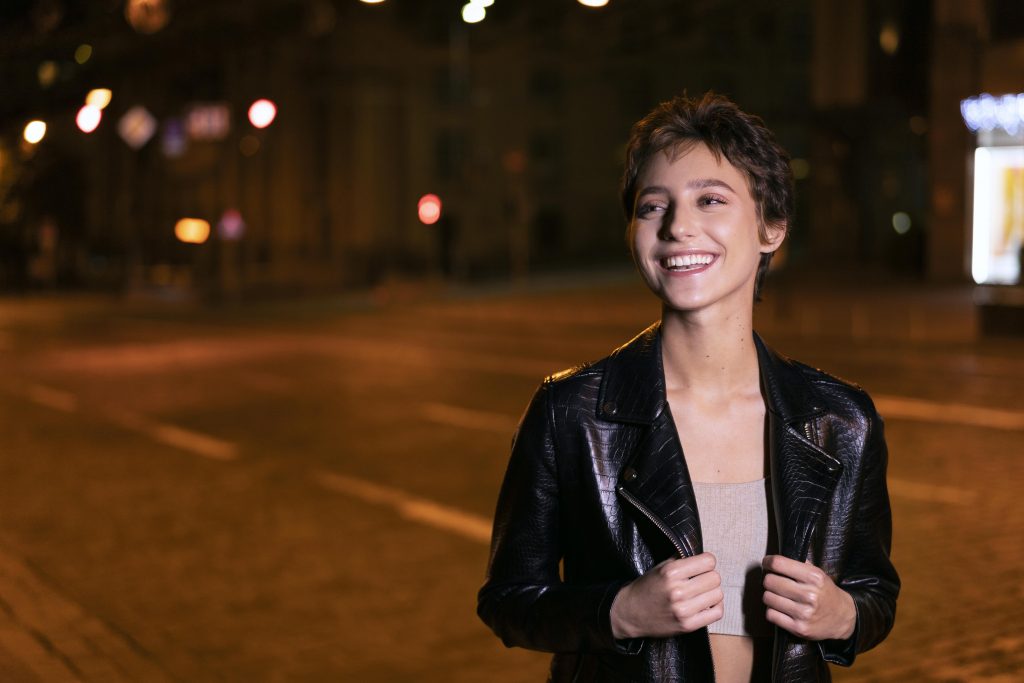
(710, 200)
(645, 210)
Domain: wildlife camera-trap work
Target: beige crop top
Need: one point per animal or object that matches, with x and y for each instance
(734, 526)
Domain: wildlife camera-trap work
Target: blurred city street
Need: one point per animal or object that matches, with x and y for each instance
(302, 491)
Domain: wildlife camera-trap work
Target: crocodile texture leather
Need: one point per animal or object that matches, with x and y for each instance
(597, 482)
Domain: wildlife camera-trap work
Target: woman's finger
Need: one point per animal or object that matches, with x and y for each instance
(787, 587)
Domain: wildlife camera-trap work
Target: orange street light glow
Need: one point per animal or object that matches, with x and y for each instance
(34, 132)
(262, 113)
(88, 118)
(429, 209)
(99, 97)
(192, 230)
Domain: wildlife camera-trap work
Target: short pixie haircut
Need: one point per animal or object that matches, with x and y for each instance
(742, 138)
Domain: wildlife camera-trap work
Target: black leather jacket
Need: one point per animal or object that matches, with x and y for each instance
(597, 481)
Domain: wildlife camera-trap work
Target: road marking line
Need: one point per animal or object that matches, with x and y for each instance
(948, 413)
(171, 435)
(465, 418)
(52, 398)
(178, 437)
(440, 516)
(929, 493)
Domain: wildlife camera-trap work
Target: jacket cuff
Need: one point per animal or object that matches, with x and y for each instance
(623, 646)
(842, 652)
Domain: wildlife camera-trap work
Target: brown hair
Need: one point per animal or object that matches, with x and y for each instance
(727, 131)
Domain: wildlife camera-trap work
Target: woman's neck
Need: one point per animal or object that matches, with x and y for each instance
(713, 354)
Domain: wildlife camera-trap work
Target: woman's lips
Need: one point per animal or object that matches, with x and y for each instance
(686, 264)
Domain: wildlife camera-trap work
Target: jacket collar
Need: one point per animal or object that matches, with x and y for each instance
(633, 386)
(654, 474)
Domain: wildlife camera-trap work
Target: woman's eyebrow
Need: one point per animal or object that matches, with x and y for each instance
(703, 183)
(652, 189)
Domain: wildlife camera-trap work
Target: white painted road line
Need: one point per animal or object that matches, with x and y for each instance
(465, 418)
(898, 407)
(428, 512)
(52, 398)
(167, 434)
(171, 435)
(929, 493)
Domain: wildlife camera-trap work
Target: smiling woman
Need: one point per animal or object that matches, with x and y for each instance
(695, 506)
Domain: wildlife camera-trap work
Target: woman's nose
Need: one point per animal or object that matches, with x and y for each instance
(677, 226)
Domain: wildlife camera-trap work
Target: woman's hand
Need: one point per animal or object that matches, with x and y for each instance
(676, 596)
(805, 601)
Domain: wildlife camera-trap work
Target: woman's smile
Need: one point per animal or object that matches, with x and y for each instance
(687, 263)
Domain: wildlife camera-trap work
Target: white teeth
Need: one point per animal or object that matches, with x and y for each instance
(688, 260)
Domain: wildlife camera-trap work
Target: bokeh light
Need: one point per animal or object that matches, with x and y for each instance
(231, 226)
(34, 132)
(47, 73)
(99, 97)
(593, 3)
(82, 53)
(429, 209)
(192, 230)
(147, 16)
(88, 118)
(473, 14)
(136, 127)
(901, 222)
(262, 113)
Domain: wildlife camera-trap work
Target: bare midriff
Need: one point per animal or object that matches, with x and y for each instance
(741, 659)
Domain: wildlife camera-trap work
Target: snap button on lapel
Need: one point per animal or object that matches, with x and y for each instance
(610, 408)
(629, 475)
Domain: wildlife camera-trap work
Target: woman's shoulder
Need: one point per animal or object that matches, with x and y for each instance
(842, 397)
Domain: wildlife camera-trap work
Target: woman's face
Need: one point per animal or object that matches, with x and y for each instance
(695, 231)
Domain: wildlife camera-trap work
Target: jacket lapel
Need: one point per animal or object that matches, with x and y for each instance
(653, 477)
(803, 474)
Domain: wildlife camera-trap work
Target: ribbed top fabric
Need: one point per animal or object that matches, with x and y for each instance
(734, 526)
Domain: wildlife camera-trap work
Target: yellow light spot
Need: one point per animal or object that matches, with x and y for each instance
(593, 3)
(99, 97)
(82, 53)
(47, 73)
(34, 132)
(889, 38)
(192, 230)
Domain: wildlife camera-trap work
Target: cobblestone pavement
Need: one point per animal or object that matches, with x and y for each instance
(225, 495)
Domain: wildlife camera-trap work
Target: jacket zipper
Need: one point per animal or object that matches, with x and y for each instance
(654, 520)
(679, 548)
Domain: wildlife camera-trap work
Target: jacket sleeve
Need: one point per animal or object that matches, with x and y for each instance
(524, 601)
(869, 576)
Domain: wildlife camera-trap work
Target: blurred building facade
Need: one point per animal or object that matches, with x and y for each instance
(517, 123)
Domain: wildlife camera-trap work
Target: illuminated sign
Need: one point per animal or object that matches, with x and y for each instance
(998, 229)
(988, 112)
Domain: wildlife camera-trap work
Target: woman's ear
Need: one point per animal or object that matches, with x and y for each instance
(774, 233)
